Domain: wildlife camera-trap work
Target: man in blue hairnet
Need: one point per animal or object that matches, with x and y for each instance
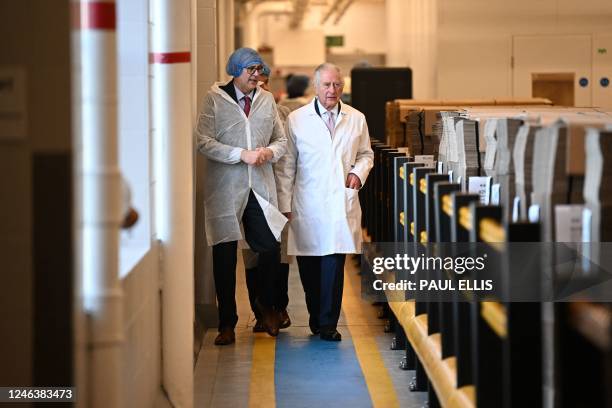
(241, 135)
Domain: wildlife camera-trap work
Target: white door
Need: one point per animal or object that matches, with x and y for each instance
(602, 70)
(553, 54)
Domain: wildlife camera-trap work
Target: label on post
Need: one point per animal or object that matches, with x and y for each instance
(426, 159)
(495, 189)
(516, 209)
(534, 213)
(482, 187)
(568, 223)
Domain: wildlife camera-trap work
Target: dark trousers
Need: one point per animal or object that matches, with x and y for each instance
(261, 240)
(323, 281)
(281, 298)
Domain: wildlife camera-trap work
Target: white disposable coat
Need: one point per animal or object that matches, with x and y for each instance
(223, 130)
(311, 177)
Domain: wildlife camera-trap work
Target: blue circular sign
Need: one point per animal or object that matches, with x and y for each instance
(604, 82)
(584, 82)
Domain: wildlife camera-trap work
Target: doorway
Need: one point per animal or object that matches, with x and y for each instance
(557, 67)
(557, 87)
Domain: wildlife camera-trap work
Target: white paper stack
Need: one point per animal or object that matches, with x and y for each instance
(507, 129)
(598, 184)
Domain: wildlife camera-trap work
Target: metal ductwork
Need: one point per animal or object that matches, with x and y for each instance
(332, 10)
(299, 9)
(342, 10)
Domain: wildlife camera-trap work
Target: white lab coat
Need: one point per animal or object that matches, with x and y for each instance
(326, 216)
(223, 130)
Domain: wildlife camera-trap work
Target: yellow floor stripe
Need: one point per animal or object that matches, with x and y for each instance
(376, 375)
(261, 390)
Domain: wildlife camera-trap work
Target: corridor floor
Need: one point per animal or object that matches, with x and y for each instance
(297, 369)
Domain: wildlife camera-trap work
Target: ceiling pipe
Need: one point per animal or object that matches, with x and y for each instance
(342, 10)
(299, 9)
(331, 10)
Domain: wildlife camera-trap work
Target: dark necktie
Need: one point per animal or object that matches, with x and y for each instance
(247, 105)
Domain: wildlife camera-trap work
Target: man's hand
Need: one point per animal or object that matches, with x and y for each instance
(265, 154)
(250, 157)
(256, 157)
(287, 215)
(352, 181)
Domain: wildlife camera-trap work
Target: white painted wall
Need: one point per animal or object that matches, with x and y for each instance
(362, 26)
(141, 354)
(475, 38)
(214, 42)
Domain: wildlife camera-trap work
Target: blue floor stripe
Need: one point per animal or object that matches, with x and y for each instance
(310, 372)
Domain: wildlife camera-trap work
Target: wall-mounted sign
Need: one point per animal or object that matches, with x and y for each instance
(12, 103)
(602, 50)
(334, 41)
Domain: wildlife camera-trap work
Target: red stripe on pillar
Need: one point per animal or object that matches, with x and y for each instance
(94, 15)
(169, 57)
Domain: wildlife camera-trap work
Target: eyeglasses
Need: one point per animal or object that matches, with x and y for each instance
(251, 70)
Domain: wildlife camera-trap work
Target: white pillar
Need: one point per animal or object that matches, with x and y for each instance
(208, 68)
(172, 127)
(396, 26)
(417, 50)
(430, 44)
(412, 35)
(225, 34)
(412, 41)
(100, 200)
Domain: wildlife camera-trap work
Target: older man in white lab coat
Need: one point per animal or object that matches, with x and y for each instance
(327, 162)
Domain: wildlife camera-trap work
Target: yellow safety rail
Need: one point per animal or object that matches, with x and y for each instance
(494, 313)
(447, 205)
(465, 218)
(423, 237)
(491, 231)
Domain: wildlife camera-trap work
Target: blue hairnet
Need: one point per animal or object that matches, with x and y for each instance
(240, 59)
(266, 70)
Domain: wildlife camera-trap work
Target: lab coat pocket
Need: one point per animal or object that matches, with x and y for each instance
(353, 208)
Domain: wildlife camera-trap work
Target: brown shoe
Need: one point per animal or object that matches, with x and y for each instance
(226, 336)
(285, 321)
(259, 327)
(270, 319)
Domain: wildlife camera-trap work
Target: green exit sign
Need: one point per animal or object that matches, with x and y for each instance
(602, 50)
(334, 41)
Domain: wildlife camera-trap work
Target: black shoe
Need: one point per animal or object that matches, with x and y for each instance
(226, 336)
(285, 321)
(269, 319)
(331, 335)
(314, 326)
